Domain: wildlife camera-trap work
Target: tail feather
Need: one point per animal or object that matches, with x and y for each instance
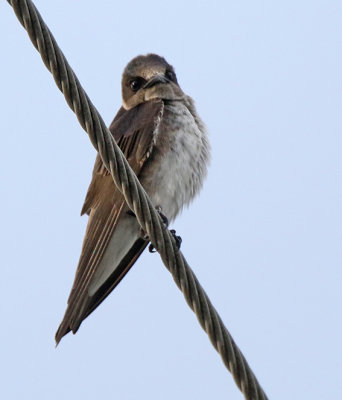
(74, 316)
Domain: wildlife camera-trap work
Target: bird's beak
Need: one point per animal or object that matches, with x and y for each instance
(156, 79)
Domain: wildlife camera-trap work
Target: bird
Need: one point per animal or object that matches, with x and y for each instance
(166, 144)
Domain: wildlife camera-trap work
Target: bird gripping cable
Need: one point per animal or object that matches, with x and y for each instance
(136, 198)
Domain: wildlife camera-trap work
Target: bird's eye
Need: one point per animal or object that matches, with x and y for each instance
(136, 84)
(170, 75)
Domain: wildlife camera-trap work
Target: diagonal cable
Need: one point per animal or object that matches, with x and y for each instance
(136, 198)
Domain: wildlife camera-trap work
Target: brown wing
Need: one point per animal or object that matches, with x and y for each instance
(134, 132)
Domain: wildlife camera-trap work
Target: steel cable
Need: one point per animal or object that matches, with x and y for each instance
(136, 198)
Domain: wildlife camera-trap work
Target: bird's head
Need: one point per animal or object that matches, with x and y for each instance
(149, 77)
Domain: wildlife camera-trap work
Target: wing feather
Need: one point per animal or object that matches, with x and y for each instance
(134, 131)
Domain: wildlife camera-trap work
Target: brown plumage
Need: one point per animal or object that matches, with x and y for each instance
(133, 130)
(165, 143)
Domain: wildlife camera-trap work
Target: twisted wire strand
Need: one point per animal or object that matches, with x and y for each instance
(136, 198)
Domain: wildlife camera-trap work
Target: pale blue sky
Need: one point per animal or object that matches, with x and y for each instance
(264, 237)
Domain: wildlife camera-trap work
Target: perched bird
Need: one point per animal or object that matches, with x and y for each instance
(166, 144)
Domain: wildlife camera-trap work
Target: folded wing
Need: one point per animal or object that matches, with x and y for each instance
(112, 242)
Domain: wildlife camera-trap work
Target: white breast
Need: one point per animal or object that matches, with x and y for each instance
(183, 167)
(172, 180)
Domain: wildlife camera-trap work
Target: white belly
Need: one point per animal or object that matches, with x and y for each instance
(172, 181)
(181, 170)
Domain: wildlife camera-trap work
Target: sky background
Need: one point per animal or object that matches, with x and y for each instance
(264, 237)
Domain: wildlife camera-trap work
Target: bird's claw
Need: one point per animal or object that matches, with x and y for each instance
(151, 248)
(162, 216)
(165, 221)
(178, 240)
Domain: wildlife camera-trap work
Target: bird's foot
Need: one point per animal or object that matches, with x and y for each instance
(165, 221)
(178, 240)
(162, 216)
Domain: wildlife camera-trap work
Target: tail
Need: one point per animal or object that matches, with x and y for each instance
(78, 311)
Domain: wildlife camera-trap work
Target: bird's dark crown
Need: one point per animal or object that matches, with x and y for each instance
(147, 66)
